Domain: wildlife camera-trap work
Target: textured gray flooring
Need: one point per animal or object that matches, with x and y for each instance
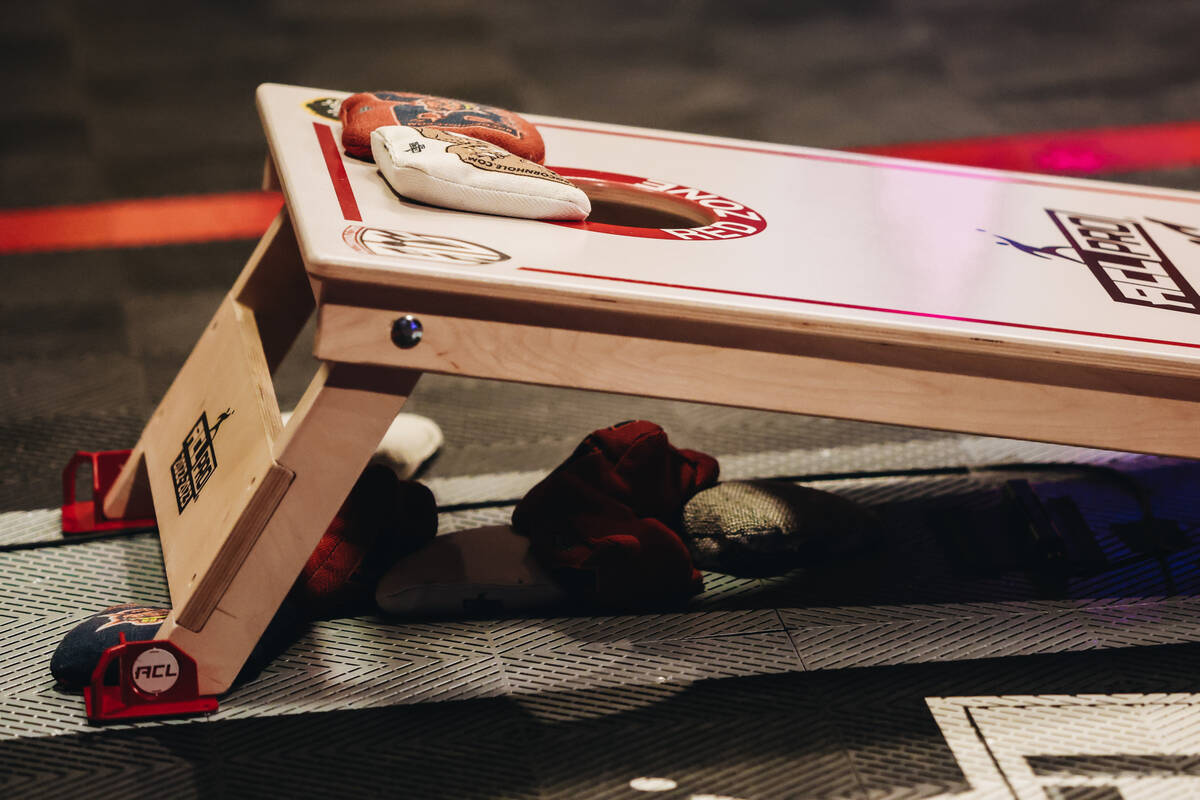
(904, 675)
(820, 683)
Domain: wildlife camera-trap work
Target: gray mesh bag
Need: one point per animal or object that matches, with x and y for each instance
(764, 528)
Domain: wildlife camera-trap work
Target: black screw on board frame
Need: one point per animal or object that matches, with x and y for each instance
(407, 332)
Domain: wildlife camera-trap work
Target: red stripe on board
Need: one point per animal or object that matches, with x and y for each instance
(833, 159)
(1083, 152)
(852, 306)
(337, 172)
(139, 223)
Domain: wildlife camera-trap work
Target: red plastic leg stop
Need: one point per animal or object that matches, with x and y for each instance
(154, 679)
(87, 516)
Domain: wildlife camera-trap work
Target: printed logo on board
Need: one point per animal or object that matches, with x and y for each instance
(155, 670)
(1122, 256)
(421, 246)
(325, 107)
(197, 459)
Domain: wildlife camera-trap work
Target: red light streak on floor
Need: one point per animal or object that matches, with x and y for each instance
(139, 223)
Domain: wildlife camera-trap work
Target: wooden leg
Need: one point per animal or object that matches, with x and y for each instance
(129, 497)
(272, 294)
(270, 177)
(240, 501)
(326, 444)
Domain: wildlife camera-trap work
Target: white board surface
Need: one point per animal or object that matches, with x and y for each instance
(801, 233)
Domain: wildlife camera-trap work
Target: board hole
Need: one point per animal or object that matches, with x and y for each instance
(621, 204)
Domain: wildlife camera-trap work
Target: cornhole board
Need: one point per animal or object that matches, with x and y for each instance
(713, 270)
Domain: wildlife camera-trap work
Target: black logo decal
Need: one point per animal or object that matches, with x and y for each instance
(197, 460)
(1192, 234)
(1122, 256)
(325, 107)
(1126, 261)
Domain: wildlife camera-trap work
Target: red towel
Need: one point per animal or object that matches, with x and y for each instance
(382, 520)
(605, 523)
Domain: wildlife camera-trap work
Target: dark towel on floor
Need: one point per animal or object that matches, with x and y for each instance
(605, 523)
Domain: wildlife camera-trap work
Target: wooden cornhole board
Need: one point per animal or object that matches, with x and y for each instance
(781, 278)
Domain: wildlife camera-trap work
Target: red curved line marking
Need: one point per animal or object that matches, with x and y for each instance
(855, 307)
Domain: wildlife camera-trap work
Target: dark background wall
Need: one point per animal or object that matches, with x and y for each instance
(134, 98)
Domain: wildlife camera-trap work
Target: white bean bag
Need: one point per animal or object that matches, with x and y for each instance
(450, 170)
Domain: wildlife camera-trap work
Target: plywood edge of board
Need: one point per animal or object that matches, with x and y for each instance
(581, 310)
(1109, 413)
